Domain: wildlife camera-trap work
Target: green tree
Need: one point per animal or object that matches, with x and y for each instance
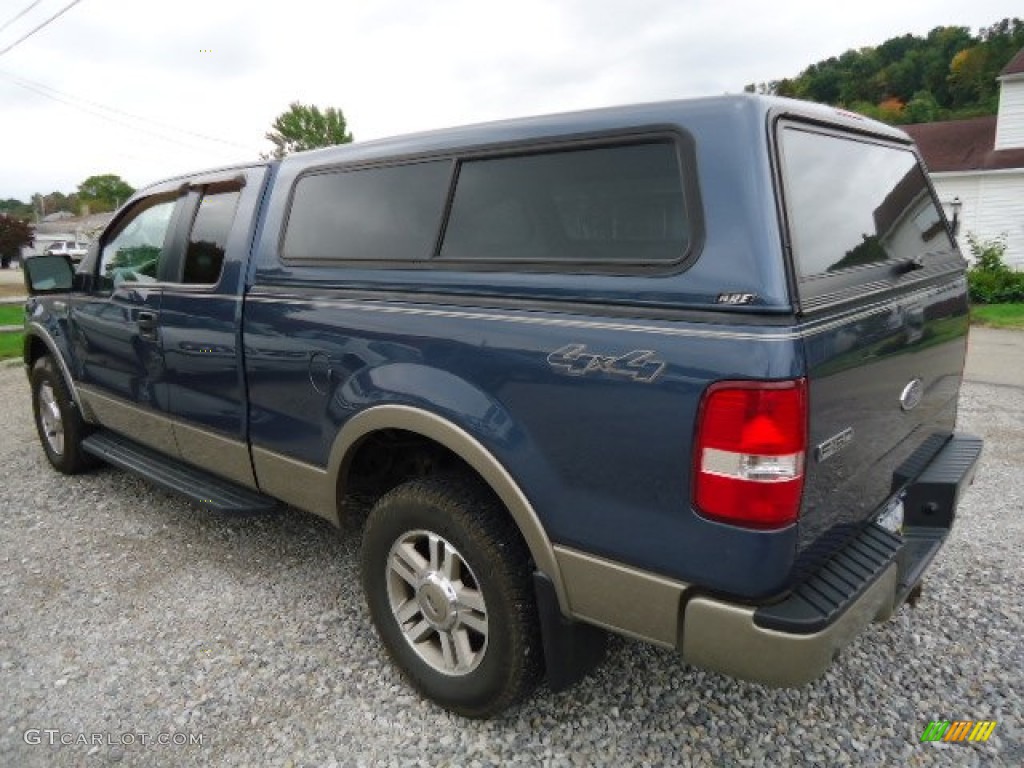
(16, 208)
(858, 75)
(307, 127)
(15, 234)
(922, 108)
(903, 78)
(1004, 39)
(104, 193)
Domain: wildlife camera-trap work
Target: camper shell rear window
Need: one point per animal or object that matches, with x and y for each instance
(856, 208)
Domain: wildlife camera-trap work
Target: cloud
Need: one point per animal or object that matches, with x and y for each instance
(226, 68)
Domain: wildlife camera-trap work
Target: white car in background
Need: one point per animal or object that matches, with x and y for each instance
(73, 250)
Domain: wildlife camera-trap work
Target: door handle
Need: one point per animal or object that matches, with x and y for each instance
(147, 324)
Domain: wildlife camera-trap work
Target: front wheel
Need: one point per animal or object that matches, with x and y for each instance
(447, 581)
(58, 422)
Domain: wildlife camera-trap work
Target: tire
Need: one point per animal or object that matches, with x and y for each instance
(58, 422)
(447, 580)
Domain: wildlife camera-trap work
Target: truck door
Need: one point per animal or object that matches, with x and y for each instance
(116, 340)
(200, 321)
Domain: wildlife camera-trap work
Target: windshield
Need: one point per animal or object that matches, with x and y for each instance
(853, 203)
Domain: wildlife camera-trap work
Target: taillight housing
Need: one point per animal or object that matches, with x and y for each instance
(750, 450)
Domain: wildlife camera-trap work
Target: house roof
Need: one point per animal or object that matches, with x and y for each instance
(963, 145)
(81, 224)
(898, 201)
(1016, 65)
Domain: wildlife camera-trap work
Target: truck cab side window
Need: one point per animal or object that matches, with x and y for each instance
(134, 251)
(208, 239)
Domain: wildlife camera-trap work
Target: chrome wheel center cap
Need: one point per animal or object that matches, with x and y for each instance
(437, 600)
(437, 604)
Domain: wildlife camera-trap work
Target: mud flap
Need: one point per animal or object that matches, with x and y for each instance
(571, 649)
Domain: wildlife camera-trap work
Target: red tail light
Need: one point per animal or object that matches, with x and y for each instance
(750, 450)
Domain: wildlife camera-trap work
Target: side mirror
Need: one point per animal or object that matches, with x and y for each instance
(48, 274)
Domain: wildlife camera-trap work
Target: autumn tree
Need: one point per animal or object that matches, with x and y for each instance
(891, 110)
(307, 127)
(971, 79)
(15, 234)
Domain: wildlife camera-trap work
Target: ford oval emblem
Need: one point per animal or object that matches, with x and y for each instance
(911, 396)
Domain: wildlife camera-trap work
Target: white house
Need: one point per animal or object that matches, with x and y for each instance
(980, 163)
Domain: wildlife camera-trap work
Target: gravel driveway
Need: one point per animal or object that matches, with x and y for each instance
(132, 615)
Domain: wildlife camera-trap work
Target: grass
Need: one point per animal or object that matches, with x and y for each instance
(998, 315)
(10, 345)
(12, 314)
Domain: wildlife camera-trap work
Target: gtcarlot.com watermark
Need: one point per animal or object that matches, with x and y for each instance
(53, 737)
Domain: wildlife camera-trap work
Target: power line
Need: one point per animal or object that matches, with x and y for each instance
(28, 86)
(18, 16)
(53, 93)
(50, 20)
(93, 107)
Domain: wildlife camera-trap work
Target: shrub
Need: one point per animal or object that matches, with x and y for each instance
(14, 235)
(990, 281)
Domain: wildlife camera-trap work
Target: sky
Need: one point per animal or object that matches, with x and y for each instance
(148, 90)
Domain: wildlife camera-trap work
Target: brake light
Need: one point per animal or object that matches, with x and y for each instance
(749, 453)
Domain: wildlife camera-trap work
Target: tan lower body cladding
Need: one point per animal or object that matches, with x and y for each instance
(712, 633)
(173, 437)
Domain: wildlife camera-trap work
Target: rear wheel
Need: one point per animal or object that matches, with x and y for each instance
(58, 422)
(447, 582)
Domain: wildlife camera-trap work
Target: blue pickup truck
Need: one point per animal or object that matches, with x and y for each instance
(685, 371)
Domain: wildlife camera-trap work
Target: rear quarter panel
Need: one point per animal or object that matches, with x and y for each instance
(604, 457)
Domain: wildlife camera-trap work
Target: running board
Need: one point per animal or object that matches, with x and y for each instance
(201, 487)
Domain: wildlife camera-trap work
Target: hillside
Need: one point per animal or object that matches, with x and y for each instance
(948, 74)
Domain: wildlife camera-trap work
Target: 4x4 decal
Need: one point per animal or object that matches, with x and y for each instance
(640, 365)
